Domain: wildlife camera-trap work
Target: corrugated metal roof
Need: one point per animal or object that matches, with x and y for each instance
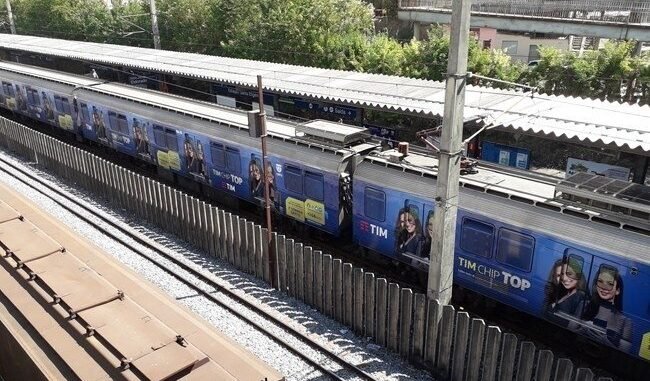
(596, 121)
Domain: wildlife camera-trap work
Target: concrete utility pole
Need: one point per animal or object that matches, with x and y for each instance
(10, 15)
(441, 267)
(154, 25)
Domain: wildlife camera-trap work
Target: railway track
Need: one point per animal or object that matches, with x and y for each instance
(83, 316)
(335, 367)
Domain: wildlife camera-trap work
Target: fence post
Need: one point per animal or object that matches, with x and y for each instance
(475, 349)
(405, 322)
(492, 345)
(358, 300)
(337, 283)
(282, 262)
(460, 345)
(327, 285)
(291, 267)
(419, 326)
(347, 294)
(526, 358)
(446, 338)
(369, 305)
(544, 366)
(299, 259)
(308, 268)
(434, 312)
(382, 310)
(564, 370)
(318, 280)
(508, 351)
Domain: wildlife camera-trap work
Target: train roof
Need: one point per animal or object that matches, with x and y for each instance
(514, 198)
(602, 123)
(313, 155)
(326, 136)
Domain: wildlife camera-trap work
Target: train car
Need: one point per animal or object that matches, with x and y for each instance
(516, 241)
(515, 245)
(49, 100)
(207, 143)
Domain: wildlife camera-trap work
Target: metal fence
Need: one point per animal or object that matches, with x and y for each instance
(620, 11)
(449, 343)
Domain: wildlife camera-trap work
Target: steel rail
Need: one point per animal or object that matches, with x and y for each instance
(160, 250)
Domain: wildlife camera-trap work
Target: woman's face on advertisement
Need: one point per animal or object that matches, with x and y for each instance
(606, 286)
(408, 222)
(569, 277)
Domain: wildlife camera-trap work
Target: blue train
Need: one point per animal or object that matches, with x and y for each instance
(575, 253)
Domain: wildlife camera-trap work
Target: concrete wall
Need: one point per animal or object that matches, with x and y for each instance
(522, 52)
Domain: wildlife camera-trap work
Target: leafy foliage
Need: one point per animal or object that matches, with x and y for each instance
(336, 34)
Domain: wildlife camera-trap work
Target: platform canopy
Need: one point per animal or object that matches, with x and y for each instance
(595, 122)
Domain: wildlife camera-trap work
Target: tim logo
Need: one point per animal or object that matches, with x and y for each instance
(367, 227)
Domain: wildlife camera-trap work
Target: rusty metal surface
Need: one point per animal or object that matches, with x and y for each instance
(100, 319)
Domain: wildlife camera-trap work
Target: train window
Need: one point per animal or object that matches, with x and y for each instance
(314, 186)
(233, 161)
(293, 179)
(159, 136)
(30, 96)
(84, 112)
(112, 120)
(35, 100)
(8, 89)
(515, 249)
(170, 137)
(122, 124)
(218, 155)
(477, 237)
(57, 104)
(65, 106)
(374, 204)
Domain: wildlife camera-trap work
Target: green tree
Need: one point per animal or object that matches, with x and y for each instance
(88, 20)
(384, 56)
(296, 31)
(611, 73)
(189, 25)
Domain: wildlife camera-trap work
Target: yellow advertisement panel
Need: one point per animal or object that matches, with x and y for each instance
(65, 121)
(163, 160)
(295, 209)
(644, 351)
(174, 160)
(315, 212)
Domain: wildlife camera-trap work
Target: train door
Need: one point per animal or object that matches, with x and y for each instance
(604, 317)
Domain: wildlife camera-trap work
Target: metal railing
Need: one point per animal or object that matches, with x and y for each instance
(620, 11)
